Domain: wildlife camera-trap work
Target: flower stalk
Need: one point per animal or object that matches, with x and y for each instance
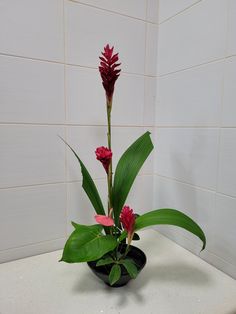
(109, 174)
(109, 74)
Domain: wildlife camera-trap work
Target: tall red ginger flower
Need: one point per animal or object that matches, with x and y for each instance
(104, 155)
(127, 218)
(108, 71)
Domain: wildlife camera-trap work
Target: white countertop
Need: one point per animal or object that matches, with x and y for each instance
(174, 281)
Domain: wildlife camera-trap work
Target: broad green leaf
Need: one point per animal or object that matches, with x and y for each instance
(105, 261)
(87, 243)
(89, 185)
(167, 216)
(130, 267)
(127, 169)
(115, 274)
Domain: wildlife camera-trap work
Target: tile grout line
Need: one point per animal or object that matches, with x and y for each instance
(195, 186)
(68, 181)
(72, 125)
(124, 72)
(219, 130)
(180, 12)
(196, 66)
(31, 244)
(222, 106)
(2, 54)
(186, 183)
(145, 66)
(222, 59)
(111, 11)
(65, 117)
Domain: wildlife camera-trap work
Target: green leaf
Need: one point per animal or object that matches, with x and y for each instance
(167, 216)
(89, 185)
(130, 267)
(127, 169)
(87, 243)
(122, 236)
(74, 224)
(105, 261)
(136, 237)
(115, 274)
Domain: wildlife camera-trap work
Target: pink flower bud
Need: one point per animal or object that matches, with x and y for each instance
(104, 220)
(104, 155)
(108, 71)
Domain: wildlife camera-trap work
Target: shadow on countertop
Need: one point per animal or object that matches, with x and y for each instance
(182, 274)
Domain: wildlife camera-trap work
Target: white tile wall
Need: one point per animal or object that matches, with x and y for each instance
(140, 197)
(31, 155)
(224, 234)
(84, 141)
(169, 8)
(32, 215)
(231, 27)
(32, 249)
(188, 154)
(84, 90)
(32, 29)
(103, 27)
(129, 100)
(227, 156)
(134, 8)
(79, 81)
(195, 121)
(151, 49)
(189, 39)
(195, 202)
(31, 91)
(191, 97)
(150, 101)
(49, 86)
(152, 10)
(80, 209)
(229, 108)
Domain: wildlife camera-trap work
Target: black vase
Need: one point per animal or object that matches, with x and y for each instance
(102, 272)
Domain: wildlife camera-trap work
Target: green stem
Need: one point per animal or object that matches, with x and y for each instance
(109, 175)
(126, 251)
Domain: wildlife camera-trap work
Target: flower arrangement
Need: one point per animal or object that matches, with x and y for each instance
(106, 245)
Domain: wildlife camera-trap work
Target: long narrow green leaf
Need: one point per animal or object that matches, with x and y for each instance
(127, 169)
(115, 274)
(89, 185)
(167, 216)
(87, 243)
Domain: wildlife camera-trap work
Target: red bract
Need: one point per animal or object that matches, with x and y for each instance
(108, 71)
(127, 218)
(104, 155)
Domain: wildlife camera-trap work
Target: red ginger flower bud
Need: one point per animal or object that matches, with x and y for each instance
(104, 155)
(108, 71)
(127, 218)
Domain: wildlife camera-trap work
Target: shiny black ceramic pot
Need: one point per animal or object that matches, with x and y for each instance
(102, 272)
